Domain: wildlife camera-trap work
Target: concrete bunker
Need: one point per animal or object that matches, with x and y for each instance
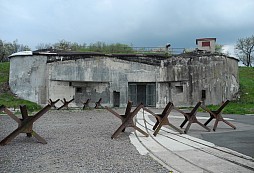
(153, 80)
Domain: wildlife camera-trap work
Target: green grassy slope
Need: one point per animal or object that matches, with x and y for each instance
(246, 84)
(4, 72)
(245, 104)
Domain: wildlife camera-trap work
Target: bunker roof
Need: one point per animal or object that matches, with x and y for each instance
(54, 55)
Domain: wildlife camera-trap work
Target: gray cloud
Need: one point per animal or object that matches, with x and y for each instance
(141, 23)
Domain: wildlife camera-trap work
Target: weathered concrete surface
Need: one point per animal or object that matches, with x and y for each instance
(28, 75)
(110, 73)
(183, 79)
(216, 75)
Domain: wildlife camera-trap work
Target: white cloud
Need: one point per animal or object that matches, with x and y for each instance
(229, 50)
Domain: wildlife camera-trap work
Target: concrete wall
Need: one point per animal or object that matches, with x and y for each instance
(215, 78)
(28, 77)
(216, 75)
(180, 79)
(60, 90)
(111, 74)
(91, 90)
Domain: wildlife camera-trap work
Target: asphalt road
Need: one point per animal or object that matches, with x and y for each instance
(240, 140)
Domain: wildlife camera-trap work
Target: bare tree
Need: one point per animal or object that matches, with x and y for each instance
(245, 50)
(43, 46)
(2, 51)
(63, 45)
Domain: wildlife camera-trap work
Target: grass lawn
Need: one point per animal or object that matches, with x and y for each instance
(245, 104)
(4, 72)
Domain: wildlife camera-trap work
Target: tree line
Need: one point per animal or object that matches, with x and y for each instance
(93, 47)
(244, 48)
(8, 48)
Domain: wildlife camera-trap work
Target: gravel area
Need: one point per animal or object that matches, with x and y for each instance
(78, 141)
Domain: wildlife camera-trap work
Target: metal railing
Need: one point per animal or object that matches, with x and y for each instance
(159, 50)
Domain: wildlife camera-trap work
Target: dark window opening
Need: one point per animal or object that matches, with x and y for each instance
(116, 99)
(203, 95)
(206, 44)
(179, 89)
(78, 90)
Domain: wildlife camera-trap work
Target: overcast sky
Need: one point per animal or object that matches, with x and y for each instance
(136, 22)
